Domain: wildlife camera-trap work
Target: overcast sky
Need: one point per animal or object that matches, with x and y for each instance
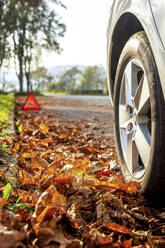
(85, 40)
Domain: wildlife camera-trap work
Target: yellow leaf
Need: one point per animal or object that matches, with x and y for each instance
(44, 129)
(26, 155)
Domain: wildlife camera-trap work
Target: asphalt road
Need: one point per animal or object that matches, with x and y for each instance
(79, 103)
(104, 99)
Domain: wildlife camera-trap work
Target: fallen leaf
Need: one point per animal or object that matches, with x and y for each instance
(39, 163)
(57, 236)
(9, 238)
(16, 147)
(44, 129)
(118, 228)
(26, 177)
(50, 199)
(127, 243)
(3, 202)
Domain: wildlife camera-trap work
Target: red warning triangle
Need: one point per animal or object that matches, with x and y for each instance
(31, 103)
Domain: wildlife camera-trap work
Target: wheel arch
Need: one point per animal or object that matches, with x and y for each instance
(127, 25)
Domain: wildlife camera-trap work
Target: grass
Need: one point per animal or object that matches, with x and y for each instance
(54, 92)
(90, 93)
(6, 106)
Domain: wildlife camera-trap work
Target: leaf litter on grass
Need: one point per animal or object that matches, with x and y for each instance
(70, 192)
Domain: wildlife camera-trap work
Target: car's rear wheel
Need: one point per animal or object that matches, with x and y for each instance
(139, 118)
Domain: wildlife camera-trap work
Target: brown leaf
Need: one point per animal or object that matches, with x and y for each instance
(39, 163)
(46, 183)
(9, 238)
(98, 238)
(53, 235)
(2, 171)
(3, 161)
(90, 149)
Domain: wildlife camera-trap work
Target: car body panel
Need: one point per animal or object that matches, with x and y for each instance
(141, 9)
(158, 9)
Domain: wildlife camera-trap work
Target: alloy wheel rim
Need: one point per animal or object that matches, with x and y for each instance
(135, 118)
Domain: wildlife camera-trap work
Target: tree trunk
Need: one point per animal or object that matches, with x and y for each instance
(20, 77)
(3, 48)
(28, 82)
(19, 47)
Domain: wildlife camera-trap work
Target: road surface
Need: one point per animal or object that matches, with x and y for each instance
(90, 109)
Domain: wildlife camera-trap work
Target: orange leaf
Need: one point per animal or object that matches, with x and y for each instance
(63, 179)
(127, 243)
(49, 200)
(118, 228)
(3, 202)
(58, 200)
(16, 147)
(130, 187)
(26, 177)
(42, 215)
(36, 228)
(76, 129)
(104, 240)
(46, 142)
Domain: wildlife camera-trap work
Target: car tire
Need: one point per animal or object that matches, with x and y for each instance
(139, 117)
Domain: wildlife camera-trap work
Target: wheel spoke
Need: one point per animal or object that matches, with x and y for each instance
(128, 92)
(143, 119)
(138, 93)
(143, 142)
(123, 114)
(131, 154)
(143, 98)
(123, 135)
(128, 84)
(128, 74)
(124, 125)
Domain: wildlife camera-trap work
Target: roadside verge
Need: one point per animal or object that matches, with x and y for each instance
(7, 131)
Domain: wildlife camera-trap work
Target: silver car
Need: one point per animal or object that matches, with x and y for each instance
(136, 78)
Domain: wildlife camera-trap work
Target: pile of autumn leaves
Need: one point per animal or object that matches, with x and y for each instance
(69, 191)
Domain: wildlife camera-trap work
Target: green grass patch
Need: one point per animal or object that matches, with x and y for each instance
(89, 93)
(54, 92)
(6, 106)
